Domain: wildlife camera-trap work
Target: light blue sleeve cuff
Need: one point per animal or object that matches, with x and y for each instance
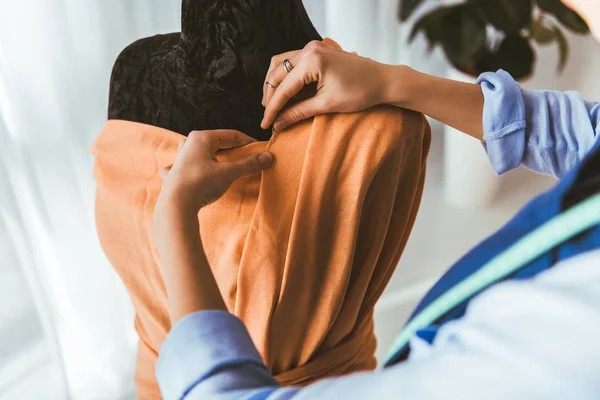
(504, 120)
(200, 345)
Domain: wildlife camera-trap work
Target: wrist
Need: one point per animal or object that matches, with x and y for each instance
(170, 212)
(175, 203)
(399, 82)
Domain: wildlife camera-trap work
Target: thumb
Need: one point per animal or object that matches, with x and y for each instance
(251, 165)
(299, 112)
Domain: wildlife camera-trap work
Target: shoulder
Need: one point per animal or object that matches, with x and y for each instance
(135, 73)
(397, 127)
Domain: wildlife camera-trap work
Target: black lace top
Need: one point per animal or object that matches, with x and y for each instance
(209, 76)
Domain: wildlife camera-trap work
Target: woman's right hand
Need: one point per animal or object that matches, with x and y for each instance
(345, 82)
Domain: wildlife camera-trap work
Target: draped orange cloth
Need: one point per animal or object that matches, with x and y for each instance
(301, 252)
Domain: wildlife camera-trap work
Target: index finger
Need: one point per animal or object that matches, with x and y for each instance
(289, 88)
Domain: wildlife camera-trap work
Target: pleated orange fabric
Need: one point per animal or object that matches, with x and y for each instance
(301, 252)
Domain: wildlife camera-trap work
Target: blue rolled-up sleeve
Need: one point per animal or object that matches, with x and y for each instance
(201, 347)
(546, 131)
(519, 340)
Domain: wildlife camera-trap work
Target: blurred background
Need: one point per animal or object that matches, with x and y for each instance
(66, 322)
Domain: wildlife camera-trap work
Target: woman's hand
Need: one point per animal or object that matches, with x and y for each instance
(344, 82)
(197, 179)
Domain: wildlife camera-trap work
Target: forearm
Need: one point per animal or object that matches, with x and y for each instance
(190, 283)
(456, 104)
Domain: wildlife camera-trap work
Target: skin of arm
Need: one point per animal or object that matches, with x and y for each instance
(346, 82)
(456, 104)
(190, 283)
(195, 180)
(545, 131)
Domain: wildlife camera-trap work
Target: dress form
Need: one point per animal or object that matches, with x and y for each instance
(211, 75)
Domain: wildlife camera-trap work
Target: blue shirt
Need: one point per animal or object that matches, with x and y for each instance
(209, 354)
(546, 131)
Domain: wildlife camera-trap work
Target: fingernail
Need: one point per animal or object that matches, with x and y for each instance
(265, 158)
(262, 124)
(279, 125)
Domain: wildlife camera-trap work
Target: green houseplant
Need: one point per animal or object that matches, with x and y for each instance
(487, 35)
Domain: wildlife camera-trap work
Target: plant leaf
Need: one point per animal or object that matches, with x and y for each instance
(565, 15)
(407, 7)
(485, 62)
(516, 56)
(563, 48)
(573, 21)
(542, 33)
(509, 16)
(431, 25)
(463, 33)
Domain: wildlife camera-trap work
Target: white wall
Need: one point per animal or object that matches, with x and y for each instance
(580, 74)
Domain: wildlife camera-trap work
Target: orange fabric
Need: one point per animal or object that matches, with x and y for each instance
(301, 252)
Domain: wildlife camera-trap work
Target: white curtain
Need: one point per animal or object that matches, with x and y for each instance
(55, 62)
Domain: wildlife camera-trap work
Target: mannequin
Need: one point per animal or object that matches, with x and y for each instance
(211, 75)
(305, 289)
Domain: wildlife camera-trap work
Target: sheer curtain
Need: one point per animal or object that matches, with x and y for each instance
(58, 288)
(55, 62)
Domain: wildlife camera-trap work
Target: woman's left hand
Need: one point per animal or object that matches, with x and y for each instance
(197, 179)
